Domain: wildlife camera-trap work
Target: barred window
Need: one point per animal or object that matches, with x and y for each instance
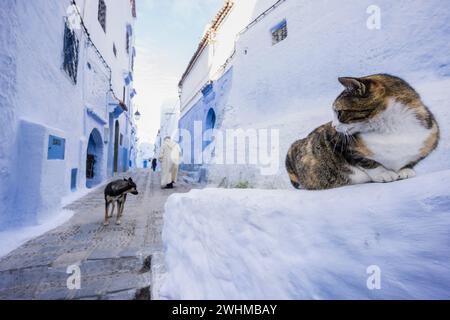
(128, 43)
(129, 34)
(133, 56)
(279, 32)
(71, 50)
(102, 14)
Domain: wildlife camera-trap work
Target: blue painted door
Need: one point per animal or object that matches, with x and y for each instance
(56, 148)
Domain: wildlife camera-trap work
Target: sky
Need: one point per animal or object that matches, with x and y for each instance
(167, 35)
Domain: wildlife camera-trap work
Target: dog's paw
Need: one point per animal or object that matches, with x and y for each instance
(118, 222)
(406, 173)
(386, 176)
(106, 223)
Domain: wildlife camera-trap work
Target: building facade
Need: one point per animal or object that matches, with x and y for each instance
(68, 110)
(205, 85)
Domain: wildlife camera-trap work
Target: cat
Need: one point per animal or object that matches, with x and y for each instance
(381, 130)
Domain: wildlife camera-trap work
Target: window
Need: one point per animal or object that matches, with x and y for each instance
(114, 50)
(207, 89)
(56, 148)
(129, 34)
(121, 139)
(71, 49)
(102, 14)
(279, 32)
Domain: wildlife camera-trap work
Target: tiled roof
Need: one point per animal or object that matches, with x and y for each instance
(215, 24)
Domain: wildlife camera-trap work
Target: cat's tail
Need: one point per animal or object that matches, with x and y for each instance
(291, 171)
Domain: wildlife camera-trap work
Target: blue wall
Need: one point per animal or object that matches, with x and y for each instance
(215, 97)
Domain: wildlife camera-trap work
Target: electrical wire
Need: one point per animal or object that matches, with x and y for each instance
(102, 59)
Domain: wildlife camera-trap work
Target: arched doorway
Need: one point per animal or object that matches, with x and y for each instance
(210, 124)
(94, 159)
(116, 146)
(211, 119)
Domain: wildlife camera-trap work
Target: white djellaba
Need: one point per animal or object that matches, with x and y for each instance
(170, 160)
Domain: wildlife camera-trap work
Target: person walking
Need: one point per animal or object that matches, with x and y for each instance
(154, 164)
(170, 160)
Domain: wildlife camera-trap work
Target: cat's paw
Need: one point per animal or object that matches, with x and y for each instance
(386, 176)
(406, 173)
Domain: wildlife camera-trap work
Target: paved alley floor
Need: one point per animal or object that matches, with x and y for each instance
(115, 262)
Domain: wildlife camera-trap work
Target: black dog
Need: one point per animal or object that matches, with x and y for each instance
(117, 191)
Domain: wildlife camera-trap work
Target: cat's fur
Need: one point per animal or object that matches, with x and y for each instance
(381, 130)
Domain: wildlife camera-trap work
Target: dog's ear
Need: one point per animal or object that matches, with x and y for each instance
(125, 179)
(130, 180)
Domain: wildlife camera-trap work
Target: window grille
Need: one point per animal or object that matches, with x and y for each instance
(129, 34)
(279, 32)
(71, 51)
(102, 14)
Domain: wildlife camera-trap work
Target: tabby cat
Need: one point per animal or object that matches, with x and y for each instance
(381, 130)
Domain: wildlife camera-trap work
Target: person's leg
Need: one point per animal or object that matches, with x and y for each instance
(174, 173)
(169, 186)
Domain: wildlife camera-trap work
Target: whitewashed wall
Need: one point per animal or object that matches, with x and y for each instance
(209, 64)
(8, 65)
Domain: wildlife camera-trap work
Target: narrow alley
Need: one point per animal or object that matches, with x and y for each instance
(115, 262)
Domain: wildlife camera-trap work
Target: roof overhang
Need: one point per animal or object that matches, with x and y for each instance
(215, 24)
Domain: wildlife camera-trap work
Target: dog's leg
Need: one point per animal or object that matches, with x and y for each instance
(121, 208)
(112, 209)
(106, 222)
(119, 211)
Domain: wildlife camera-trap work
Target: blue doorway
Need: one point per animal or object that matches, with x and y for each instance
(211, 119)
(210, 124)
(94, 159)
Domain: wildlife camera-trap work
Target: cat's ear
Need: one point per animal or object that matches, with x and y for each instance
(353, 85)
